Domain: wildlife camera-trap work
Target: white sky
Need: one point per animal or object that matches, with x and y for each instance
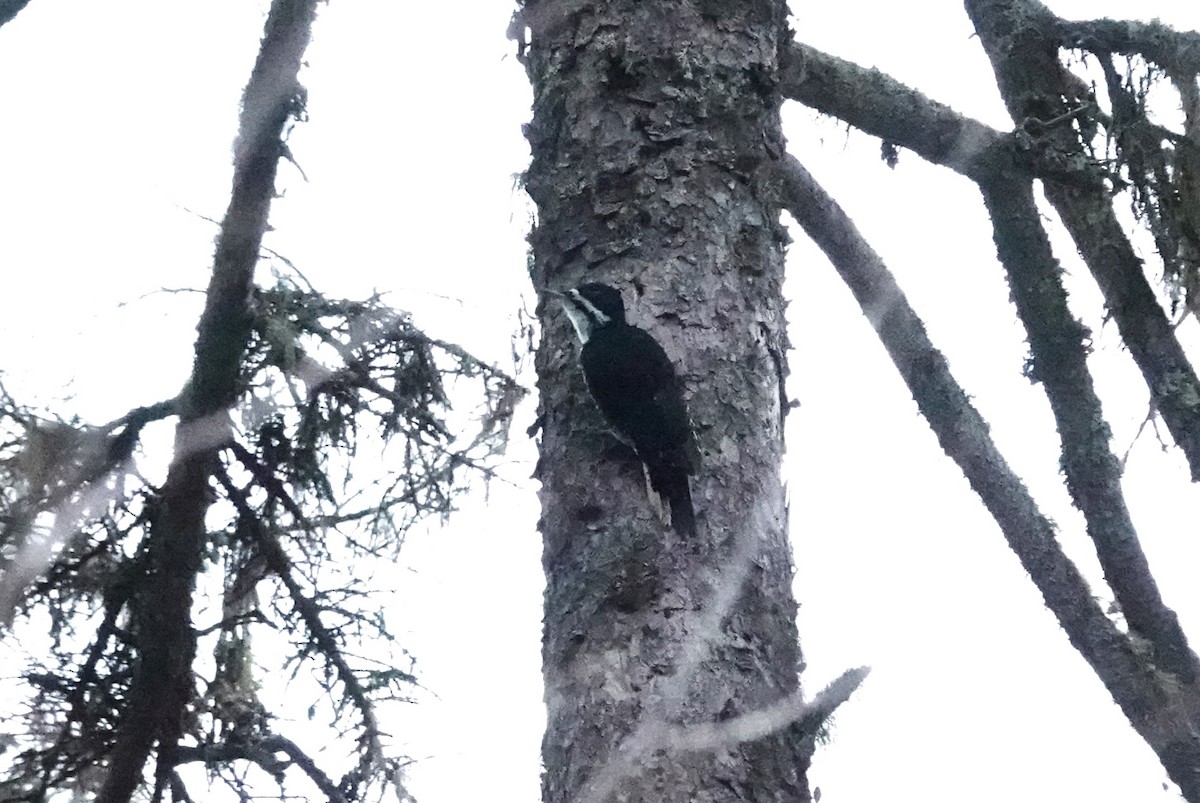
(118, 119)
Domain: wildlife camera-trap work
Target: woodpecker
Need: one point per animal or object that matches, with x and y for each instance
(636, 388)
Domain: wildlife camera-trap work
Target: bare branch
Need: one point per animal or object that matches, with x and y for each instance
(791, 711)
(373, 756)
(963, 434)
(263, 753)
(651, 736)
(881, 106)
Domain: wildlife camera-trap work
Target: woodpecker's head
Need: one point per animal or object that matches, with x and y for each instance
(592, 306)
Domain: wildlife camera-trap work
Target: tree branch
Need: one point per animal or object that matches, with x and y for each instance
(94, 454)
(162, 678)
(884, 107)
(1177, 52)
(10, 9)
(310, 612)
(792, 711)
(262, 752)
(881, 106)
(1033, 86)
(1059, 363)
(121, 447)
(267, 480)
(1032, 80)
(963, 435)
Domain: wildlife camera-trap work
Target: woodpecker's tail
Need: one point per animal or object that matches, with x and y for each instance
(683, 516)
(670, 482)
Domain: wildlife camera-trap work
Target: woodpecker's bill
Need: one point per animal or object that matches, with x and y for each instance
(635, 386)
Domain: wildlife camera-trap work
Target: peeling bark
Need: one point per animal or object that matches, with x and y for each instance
(652, 124)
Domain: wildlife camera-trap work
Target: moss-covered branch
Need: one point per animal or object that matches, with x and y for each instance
(886, 108)
(1175, 51)
(964, 436)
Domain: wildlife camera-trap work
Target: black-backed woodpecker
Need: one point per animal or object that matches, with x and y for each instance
(636, 387)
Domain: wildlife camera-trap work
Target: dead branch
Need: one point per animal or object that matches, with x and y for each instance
(1019, 39)
(884, 107)
(792, 711)
(263, 752)
(94, 454)
(1058, 341)
(162, 683)
(373, 756)
(963, 435)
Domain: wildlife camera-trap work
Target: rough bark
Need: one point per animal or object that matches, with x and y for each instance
(162, 684)
(652, 123)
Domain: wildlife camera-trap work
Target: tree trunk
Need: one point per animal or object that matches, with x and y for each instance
(654, 123)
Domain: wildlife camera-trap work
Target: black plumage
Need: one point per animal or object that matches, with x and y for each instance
(635, 385)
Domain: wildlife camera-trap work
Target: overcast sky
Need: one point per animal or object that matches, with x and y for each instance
(115, 145)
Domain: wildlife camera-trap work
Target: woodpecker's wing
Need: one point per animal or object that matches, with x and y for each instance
(635, 385)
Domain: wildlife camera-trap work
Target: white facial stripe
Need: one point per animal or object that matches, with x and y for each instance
(593, 312)
(583, 327)
(584, 315)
